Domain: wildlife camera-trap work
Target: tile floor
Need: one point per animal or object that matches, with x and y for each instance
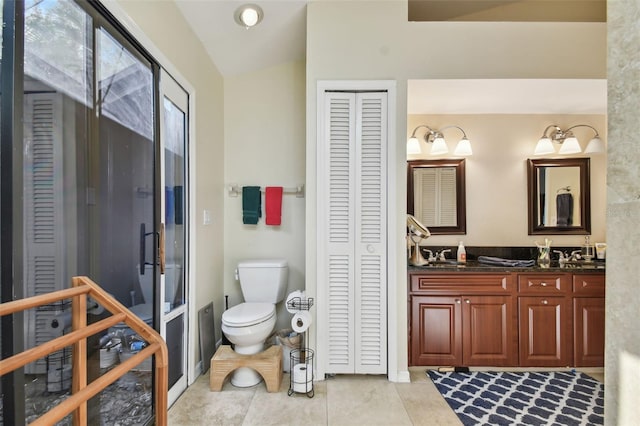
(340, 400)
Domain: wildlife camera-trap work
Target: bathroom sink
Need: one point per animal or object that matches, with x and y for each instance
(447, 262)
(581, 264)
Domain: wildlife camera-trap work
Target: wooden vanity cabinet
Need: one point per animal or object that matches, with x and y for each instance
(544, 316)
(588, 320)
(463, 319)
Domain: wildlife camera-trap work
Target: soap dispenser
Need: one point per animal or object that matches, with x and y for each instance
(587, 250)
(462, 253)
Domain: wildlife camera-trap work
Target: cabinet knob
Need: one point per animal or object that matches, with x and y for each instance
(545, 302)
(543, 284)
(467, 301)
(370, 248)
(458, 301)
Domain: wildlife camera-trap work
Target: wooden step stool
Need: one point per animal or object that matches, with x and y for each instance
(267, 363)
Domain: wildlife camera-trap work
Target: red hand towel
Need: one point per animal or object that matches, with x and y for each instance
(273, 205)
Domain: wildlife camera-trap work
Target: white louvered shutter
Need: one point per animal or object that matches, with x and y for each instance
(425, 195)
(339, 215)
(435, 196)
(352, 226)
(447, 187)
(371, 234)
(44, 254)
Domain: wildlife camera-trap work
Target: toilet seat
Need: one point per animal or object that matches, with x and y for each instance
(144, 311)
(248, 314)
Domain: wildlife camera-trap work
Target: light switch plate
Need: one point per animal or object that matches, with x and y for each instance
(206, 217)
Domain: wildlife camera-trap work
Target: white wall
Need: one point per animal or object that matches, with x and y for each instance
(345, 43)
(496, 175)
(265, 146)
(192, 67)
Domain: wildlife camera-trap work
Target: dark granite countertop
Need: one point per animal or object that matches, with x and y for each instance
(474, 266)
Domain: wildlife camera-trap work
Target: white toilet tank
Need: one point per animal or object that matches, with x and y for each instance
(263, 280)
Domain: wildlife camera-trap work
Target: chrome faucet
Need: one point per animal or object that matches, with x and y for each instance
(562, 257)
(431, 257)
(440, 254)
(575, 256)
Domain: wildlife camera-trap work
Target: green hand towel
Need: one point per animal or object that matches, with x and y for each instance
(251, 205)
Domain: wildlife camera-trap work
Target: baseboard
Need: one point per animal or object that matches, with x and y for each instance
(218, 343)
(403, 377)
(193, 376)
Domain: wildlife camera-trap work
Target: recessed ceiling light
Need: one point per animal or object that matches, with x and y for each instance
(248, 15)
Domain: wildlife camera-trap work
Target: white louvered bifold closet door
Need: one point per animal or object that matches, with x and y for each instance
(44, 249)
(353, 214)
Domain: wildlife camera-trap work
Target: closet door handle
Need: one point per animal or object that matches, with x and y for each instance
(370, 248)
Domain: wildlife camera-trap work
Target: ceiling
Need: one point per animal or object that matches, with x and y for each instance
(281, 38)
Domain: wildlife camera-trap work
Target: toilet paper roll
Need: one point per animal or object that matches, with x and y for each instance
(301, 321)
(59, 324)
(302, 378)
(294, 294)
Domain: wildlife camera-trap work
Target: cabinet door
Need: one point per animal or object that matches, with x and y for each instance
(436, 330)
(588, 332)
(489, 331)
(545, 331)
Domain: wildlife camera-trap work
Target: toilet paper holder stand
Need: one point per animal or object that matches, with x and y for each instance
(301, 360)
(300, 304)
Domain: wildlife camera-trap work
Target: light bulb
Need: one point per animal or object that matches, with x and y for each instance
(248, 15)
(570, 146)
(413, 146)
(595, 146)
(544, 146)
(439, 146)
(463, 147)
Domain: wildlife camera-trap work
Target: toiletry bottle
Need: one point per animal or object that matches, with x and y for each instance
(462, 253)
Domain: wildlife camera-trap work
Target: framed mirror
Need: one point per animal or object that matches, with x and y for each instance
(436, 195)
(559, 196)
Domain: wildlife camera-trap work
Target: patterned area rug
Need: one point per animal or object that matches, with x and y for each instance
(522, 398)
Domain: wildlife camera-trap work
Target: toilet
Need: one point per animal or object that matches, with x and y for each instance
(144, 310)
(247, 325)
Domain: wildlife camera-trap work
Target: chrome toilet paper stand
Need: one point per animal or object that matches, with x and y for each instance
(303, 355)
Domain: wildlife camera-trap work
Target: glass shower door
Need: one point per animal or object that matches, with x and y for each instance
(88, 187)
(174, 213)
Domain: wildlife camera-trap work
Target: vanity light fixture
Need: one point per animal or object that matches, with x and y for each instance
(569, 143)
(436, 138)
(248, 15)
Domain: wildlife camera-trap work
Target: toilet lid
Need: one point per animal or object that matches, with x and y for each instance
(246, 314)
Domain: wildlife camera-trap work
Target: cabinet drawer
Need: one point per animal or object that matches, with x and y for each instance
(549, 284)
(589, 285)
(458, 283)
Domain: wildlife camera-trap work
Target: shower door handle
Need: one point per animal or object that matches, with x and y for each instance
(143, 255)
(161, 251)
